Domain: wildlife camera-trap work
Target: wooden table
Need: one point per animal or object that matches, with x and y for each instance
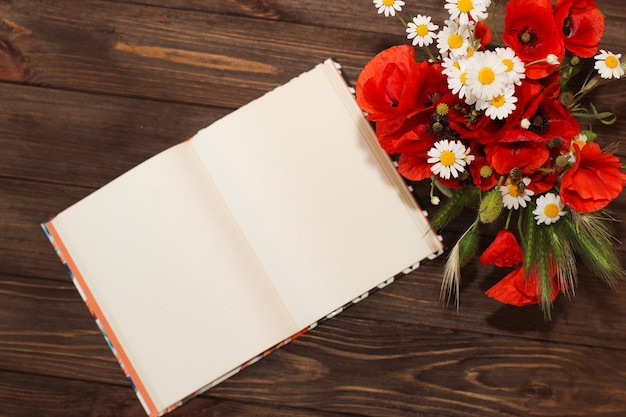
(90, 88)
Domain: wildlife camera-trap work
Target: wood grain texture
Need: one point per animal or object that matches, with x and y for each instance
(90, 88)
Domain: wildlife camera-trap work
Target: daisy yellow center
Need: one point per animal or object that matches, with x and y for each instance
(447, 158)
(486, 75)
(463, 78)
(465, 6)
(470, 52)
(580, 143)
(508, 63)
(514, 190)
(498, 101)
(551, 210)
(389, 2)
(421, 30)
(611, 62)
(455, 41)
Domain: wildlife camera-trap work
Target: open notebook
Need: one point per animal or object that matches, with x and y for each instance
(220, 249)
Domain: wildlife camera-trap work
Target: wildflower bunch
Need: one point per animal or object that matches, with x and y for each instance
(498, 128)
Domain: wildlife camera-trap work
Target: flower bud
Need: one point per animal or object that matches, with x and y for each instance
(554, 143)
(562, 161)
(437, 127)
(515, 173)
(491, 206)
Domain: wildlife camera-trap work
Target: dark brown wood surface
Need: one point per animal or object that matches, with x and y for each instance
(90, 88)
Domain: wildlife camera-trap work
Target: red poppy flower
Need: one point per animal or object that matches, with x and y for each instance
(413, 165)
(515, 289)
(593, 181)
(530, 30)
(483, 33)
(528, 156)
(382, 87)
(504, 250)
(583, 26)
(479, 168)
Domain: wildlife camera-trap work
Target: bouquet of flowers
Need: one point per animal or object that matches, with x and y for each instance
(498, 129)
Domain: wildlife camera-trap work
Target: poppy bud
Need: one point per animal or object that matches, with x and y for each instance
(515, 173)
(491, 206)
(562, 161)
(554, 143)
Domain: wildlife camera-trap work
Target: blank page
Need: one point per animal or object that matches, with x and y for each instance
(318, 200)
(174, 278)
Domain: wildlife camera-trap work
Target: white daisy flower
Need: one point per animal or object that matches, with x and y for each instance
(453, 39)
(515, 68)
(449, 158)
(499, 106)
(464, 10)
(549, 209)
(608, 64)
(454, 70)
(515, 195)
(421, 30)
(486, 75)
(389, 7)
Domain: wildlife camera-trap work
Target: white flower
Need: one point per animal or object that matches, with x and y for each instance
(421, 30)
(463, 10)
(549, 209)
(389, 7)
(499, 106)
(514, 66)
(454, 70)
(515, 195)
(486, 75)
(449, 158)
(453, 39)
(608, 64)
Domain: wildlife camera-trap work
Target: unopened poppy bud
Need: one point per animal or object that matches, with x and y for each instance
(554, 143)
(562, 161)
(566, 98)
(490, 207)
(515, 173)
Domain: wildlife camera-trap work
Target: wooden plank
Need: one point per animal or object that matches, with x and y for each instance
(373, 368)
(348, 365)
(88, 139)
(183, 55)
(27, 395)
(176, 55)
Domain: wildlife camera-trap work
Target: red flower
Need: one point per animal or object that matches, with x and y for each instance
(479, 168)
(583, 25)
(412, 165)
(483, 33)
(528, 156)
(516, 290)
(530, 30)
(504, 250)
(399, 94)
(593, 181)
